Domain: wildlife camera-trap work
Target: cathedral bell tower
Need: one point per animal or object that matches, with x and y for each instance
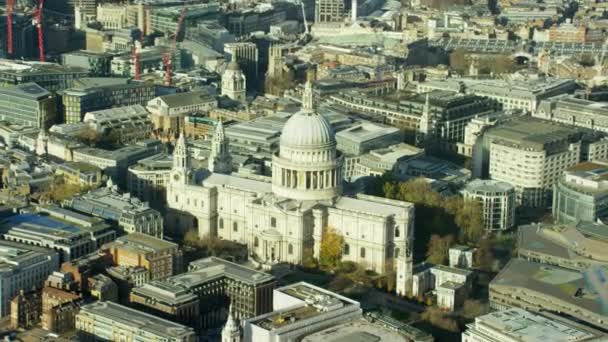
(220, 160)
(181, 162)
(231, 331)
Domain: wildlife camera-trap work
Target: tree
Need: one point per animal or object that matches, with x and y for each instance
(437, 318)
(458, 61)
(484, 256)
(438, 250)
(331, 248)
(474, 308)
(89, 136)
(60, 191)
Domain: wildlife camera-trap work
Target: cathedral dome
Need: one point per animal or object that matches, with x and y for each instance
(307, 130)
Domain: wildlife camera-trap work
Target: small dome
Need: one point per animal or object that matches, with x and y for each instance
(233, 66)
(307, 129)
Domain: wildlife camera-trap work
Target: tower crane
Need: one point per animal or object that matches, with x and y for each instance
(37, 21)
(10, 5)
(169, 54)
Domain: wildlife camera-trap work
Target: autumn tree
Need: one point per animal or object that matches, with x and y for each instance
(438, 250)
(439, 319)
(331, 248)
(60, 191)
(458, 61)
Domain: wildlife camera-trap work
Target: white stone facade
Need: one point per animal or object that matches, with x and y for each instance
(283, 221)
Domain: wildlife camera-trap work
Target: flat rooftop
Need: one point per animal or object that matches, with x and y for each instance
(209, 268)
(522, 325)
(366, 131)
(357, 331)
(553, 282)
(14, 254)
(487, 186)
(143, 243)
(136, 319)
(313, 302)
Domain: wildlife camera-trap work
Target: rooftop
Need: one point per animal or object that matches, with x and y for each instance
(30, 91)
(525, 326)
(136, 319)
(365, 131)
(186, 99)
(487, 186)
(14, 255)
(33, 67)
(311, 301)
(142, 243)
(215, 267)
(557, 283)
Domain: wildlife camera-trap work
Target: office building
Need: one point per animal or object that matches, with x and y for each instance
(246, 55)
(111, 321)
(531, 154)
(97, 63)
(366, 136)
(329, 11)
(71, 234)
(79, 173)
(581, 193)
(128, 123)
(516, 325)
(576, 247)
(26, 309)
(112, 16)
(437, 115)
(169, 301)
(126, 278)
(524, 94)
(148, 178)
(217, 284)
(23, 267)
(298, 310)
(393, 160)
(161, 258)
(50, 76)
(132, 215)
(572, 110)
(28, 104)
(91, 94)
(497, 200)
(81, 269)
(540, 287)
(103, 288)
(115, 163)
(169, 111)
(165, 19)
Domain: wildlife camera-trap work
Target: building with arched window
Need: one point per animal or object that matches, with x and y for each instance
(282, 221)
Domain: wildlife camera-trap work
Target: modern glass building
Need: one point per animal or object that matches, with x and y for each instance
(581, 194)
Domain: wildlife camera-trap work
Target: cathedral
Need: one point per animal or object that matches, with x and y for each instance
(282, 221)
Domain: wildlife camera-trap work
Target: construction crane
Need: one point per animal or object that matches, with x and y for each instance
(10, 5)
(169, 54)
(37, 21)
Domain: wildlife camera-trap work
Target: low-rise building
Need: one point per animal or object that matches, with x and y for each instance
(497, 201)
(298, 310)
(131, 214)
(50, 76)
(80, 173)
(391, 159)
(23, 267)
(366, 136)
(26, 308)
(148, 178)
(572, 110)
(515, 325)
(581, 193)
(59, 309)
(168, 111)
(71, 234)
(116, 162)
(103, 288)
(540, 287)
(83, 268)
(111, 321)
(91, 94)
(127, 278)
(169, 301)
(217, 284)
(128, 123)
(161, 258)
(28, 104)
(461, 256)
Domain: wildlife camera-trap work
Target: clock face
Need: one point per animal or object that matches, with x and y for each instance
(176, 177)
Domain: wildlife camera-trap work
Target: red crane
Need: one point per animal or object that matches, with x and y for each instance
(10, 4)
(169, 54)
(38, 22)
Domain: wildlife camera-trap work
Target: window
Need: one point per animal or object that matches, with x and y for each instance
(221, 223)
(235, 226)
(290, 249)
(346, 249)
(256, 242)
(397, 232)
(273, 222)
(362, 252)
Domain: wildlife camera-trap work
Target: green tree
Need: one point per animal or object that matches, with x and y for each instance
(437, 318)
(331, 248)
(438, 250)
